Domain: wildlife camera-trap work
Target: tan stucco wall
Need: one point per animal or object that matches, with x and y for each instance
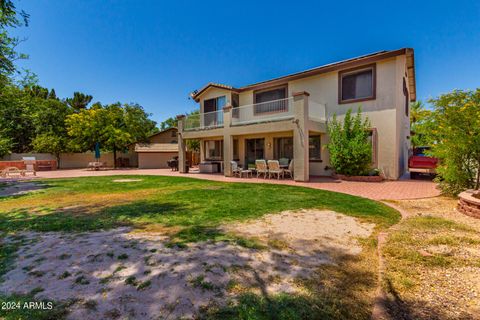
(165, 137)
(381, 111)
(81, 160)
(154, 160)
(386, 113)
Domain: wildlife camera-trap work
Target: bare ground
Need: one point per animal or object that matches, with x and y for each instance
(119, 273)
(433, 262)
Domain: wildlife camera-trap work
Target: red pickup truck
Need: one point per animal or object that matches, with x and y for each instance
(420, 163)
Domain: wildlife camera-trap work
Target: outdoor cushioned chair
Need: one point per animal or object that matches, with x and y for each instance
(274, 169)
(283, 161)
(261, 168)
(239, 171)
(289, 171)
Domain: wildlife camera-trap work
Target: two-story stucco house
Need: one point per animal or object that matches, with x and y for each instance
(287, 117)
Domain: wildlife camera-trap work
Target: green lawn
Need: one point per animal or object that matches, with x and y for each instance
(191, 210)
(92, 203)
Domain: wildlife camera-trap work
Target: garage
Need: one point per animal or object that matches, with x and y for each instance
(154, 160)
(160, 148)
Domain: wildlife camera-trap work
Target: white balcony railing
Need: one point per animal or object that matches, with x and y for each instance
(207, 120)
(263, 112)
(316, 111)
(275, 110)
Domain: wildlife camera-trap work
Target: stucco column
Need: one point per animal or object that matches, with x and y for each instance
(182, 151)
(300, 137)
(227, 141)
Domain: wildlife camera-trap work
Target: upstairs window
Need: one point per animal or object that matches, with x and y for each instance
(270, 100)
(407, 98)
(356, 84)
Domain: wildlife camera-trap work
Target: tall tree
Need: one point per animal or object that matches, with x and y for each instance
(16, 110)
(457, 137)
(10, 17)
(50, 128)
(114, 126)
(420, 124)
(79, 101)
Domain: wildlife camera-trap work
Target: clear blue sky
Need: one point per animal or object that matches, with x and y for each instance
(156, 52)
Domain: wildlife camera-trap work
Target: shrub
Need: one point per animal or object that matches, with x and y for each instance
(457, 135)
(349, 146)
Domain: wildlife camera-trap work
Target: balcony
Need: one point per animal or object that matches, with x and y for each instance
(276, 110)
(203, 121)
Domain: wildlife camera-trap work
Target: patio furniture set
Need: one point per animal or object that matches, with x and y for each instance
(270, 168)
(96, 165)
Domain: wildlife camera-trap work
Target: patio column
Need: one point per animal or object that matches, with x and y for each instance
(300, 137)
(182, 151)
(227, 141)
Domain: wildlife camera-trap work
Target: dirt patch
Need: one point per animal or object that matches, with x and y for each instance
(307, 231)
(19, 188)
(138, 275)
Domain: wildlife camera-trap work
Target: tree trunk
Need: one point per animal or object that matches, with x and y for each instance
(114, 158)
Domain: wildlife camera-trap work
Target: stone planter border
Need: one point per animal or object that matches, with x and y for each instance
(468, 204)
(358, 178)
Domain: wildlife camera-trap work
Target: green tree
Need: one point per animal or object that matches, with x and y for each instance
(420, 124)
(16, 110)
(457, 137)
(349, 147)
(10, 17)
(169, 123)
(5, 145)
(79, 101)
(114, 126)
(50, 128)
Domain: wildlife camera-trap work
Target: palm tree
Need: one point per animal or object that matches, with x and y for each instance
(79, 101)
(419, 123)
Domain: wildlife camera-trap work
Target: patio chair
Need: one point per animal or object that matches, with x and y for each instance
(261, 168)
(283, 162)
(30, 168)
(274, 169)
(239, 171)
(289, 171)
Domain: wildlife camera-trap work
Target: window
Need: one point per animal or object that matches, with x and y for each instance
(174, 134)
(210, 117)
(271, 100)
(356, 85)
(405, 93)
(314, 150)
(214, 149)
(283, 148)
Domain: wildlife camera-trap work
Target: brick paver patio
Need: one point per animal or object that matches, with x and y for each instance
(387, 190)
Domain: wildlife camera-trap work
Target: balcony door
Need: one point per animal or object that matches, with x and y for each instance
(270, 100)
(212, 111)
(254, 149)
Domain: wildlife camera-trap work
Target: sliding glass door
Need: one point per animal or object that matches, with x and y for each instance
(212, 108)
(254, 149)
